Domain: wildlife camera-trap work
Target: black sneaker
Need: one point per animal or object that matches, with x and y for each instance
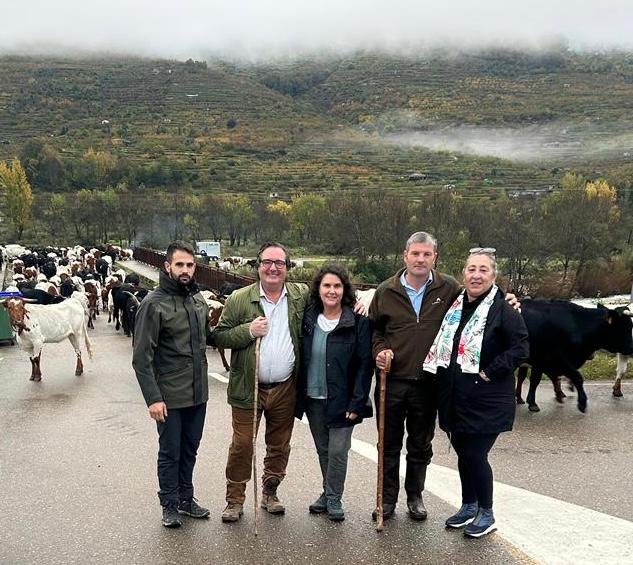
(335, 510)
(171, 519)
(319, 506)
(192, 508)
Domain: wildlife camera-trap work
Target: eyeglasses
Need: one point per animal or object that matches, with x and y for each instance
(268, 263)
(485, 250)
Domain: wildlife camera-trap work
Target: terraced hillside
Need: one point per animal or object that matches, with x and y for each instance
(323, 125)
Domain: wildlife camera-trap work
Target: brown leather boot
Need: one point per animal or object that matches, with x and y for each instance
(270, 501)
(233, 512)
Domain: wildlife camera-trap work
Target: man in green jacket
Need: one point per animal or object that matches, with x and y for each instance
(171, 367)
(271, 309)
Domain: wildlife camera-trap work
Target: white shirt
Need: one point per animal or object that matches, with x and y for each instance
(276, 353)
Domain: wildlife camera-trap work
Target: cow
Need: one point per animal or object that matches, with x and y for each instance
(563, 336)
(132, 300)
(227, 289)
(215, 311)
(41, 296)
(103, 267)
(36, 325)
(622, 363)
(93, 292)
(365, 297)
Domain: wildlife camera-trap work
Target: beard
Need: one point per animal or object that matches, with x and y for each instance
(183, 280)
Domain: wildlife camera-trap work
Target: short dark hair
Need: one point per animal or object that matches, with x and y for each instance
(178, 246)
(273, 244)
(349, 292)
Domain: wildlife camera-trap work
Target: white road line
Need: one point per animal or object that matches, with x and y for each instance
(549, 530)
(219, 377)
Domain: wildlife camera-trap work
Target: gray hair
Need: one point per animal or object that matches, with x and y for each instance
(490, 255)
(421, 237)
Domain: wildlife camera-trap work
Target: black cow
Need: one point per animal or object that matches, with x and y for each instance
(102, 267)
(49, 269)
(564, 335)
(40, 296)
(227, 289)
(131, 307)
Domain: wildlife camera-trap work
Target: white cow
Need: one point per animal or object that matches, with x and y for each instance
(36, 325)
(365, 297)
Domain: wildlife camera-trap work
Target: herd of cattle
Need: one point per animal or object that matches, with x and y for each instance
(62, 291)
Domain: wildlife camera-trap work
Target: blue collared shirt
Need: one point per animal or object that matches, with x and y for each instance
(416, 296)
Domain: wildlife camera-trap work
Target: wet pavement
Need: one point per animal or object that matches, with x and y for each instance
(78, 480)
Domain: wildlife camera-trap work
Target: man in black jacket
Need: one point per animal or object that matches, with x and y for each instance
(171, 367)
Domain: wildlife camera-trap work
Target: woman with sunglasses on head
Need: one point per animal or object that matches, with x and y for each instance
(480, 343)
(335, 379)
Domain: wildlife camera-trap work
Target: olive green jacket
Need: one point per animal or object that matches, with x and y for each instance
(170, 340)
(232, 332)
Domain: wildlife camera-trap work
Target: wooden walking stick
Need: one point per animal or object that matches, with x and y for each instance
(255, 406)
(382, 383)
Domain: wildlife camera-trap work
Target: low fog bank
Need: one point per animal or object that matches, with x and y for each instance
(264, 29)
(551, 142)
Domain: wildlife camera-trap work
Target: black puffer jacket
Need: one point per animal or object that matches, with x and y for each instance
(467, 403)
(349, 367)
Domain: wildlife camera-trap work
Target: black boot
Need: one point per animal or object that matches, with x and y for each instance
(417, 510)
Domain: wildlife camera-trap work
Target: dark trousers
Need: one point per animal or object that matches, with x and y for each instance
(332, 445)
(409, 403)
(475, 472)
(178, 440)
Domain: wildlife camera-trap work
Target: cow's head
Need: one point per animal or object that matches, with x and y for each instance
(215, 311)
(620, 330)
(18, 315)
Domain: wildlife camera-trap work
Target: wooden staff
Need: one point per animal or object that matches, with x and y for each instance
(255, 406)
(382, 376)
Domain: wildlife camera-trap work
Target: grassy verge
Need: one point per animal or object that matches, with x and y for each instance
(602, 367)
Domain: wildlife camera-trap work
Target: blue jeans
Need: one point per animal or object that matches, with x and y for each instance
(332, 445)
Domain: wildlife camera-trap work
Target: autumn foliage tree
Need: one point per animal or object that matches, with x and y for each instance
(19, 196)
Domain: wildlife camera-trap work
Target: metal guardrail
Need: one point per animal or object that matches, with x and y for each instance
(211, 276)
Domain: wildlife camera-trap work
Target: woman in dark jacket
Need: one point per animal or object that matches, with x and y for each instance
(335, 379)
(480, 343)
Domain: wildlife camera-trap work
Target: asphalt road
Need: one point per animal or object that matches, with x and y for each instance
(78, 481)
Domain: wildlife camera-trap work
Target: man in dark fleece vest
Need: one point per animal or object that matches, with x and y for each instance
(171, 367)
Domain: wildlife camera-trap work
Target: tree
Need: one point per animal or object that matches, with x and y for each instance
(53, 217)
(307, 216)
(19, 196)
(580, 220)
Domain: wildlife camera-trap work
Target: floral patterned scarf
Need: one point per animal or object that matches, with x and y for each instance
(469, 348)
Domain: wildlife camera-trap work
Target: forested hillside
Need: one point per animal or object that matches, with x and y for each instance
(145, 150)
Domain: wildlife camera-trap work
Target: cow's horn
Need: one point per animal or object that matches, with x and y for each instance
(30, 300)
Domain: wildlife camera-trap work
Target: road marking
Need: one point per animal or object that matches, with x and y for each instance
(219, 377)
(549, 530)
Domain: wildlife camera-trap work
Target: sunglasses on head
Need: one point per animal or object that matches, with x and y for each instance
(487, 250)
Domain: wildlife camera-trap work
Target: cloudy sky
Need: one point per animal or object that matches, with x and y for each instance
(256, 29)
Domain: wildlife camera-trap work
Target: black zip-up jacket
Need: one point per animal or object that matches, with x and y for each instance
(349, 367)
(170, 340)
(469, 404)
